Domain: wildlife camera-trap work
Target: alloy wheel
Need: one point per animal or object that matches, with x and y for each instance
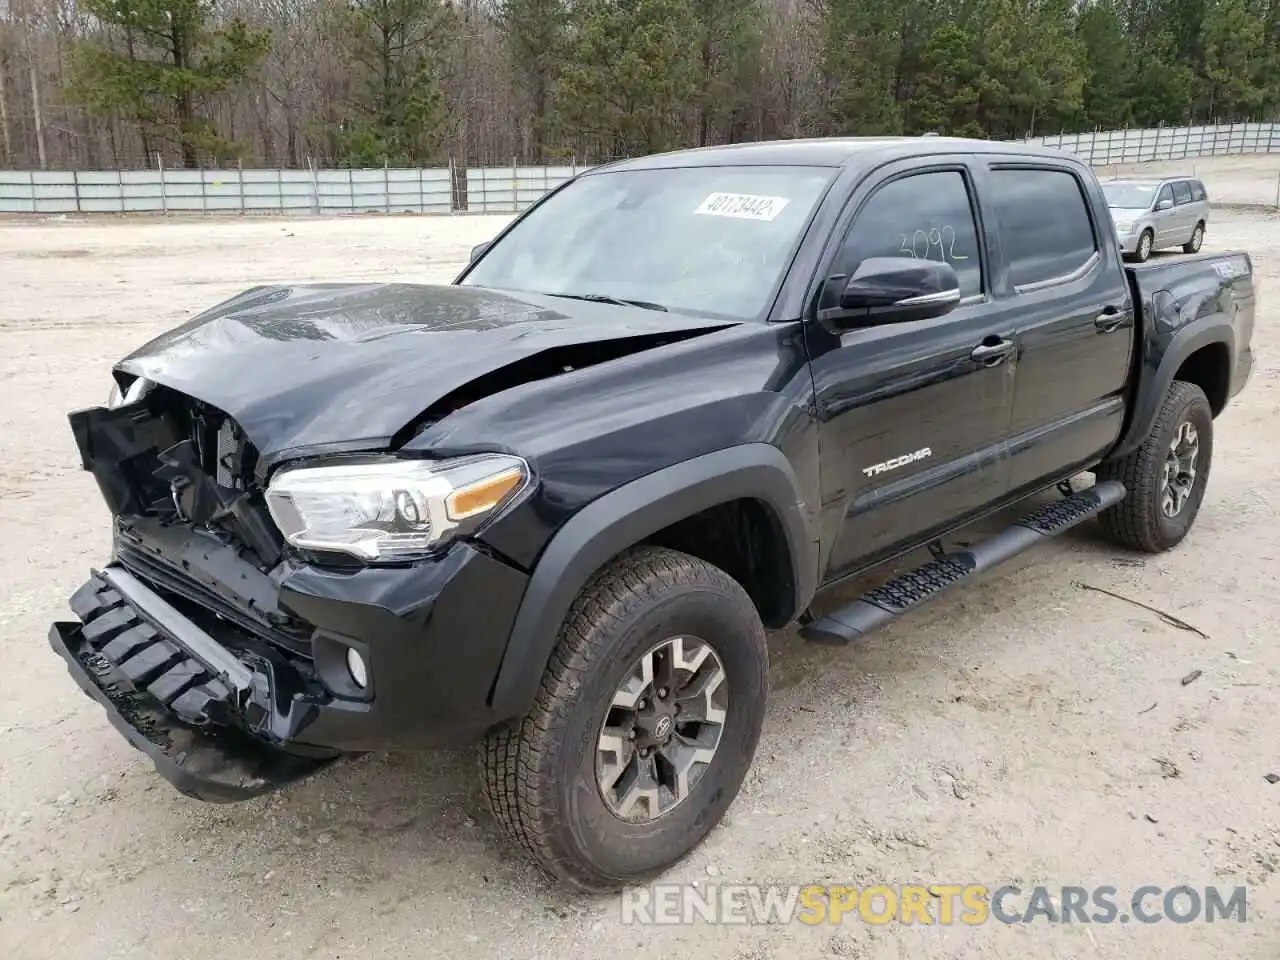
(1180, 469)
(662, 729)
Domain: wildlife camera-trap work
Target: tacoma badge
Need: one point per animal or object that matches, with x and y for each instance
(897, 462)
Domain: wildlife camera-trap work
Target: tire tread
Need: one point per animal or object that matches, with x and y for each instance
(1131, 523)
(515, 755)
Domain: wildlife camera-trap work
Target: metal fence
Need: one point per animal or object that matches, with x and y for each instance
(293, 192)
(505, 189)
(1115, 147)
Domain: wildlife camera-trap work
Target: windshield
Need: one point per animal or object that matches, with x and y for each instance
(1128, 196)
(707, 240)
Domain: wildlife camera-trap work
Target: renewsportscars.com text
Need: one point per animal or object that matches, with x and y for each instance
(941, 904)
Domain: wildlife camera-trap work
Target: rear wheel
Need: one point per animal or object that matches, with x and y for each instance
(644, 727)
(1165, 477)
(1197, 238)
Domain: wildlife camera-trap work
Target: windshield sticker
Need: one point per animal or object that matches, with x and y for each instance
(743, 206)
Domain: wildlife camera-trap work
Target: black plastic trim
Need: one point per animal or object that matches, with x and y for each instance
(1153, 385)
(623, 518)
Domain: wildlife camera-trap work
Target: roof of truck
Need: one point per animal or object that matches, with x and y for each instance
(829, 152)
(1149, 181)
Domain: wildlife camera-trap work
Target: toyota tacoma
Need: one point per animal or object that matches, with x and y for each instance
(553, 506)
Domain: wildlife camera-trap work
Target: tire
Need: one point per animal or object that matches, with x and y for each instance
(1140, 521)
(1197, 238)
(540, 773)
(1146, 242)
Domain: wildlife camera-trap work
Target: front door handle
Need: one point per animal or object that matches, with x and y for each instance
(1109, 320)
(991, 351)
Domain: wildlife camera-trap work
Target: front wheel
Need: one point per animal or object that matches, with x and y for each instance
(1145, 242)
(644, 727)
(1165, 477)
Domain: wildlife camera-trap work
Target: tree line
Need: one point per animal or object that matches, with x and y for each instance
(126, 83)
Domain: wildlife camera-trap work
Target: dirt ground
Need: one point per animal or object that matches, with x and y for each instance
(1020, 730)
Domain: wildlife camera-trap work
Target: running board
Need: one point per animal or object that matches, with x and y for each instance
(910, 590)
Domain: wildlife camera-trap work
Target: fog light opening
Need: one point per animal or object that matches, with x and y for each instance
(356, 666)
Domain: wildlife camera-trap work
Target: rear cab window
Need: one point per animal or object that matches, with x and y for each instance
(1046, 230)
(921, 216)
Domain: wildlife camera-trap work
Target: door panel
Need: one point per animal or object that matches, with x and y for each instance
(1166, 221)
(1068, 404)
(912, 428)
(1074, 330)
(898, 391)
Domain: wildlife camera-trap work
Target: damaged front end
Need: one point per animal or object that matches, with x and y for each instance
(181, 637)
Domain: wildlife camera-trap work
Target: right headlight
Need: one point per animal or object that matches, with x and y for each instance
(391, 510)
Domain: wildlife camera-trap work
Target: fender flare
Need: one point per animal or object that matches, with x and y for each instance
(1153, 384)
(625, 516)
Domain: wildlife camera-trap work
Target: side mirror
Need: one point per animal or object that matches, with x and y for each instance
(895, 290)
(478, 249)
(1165, 204)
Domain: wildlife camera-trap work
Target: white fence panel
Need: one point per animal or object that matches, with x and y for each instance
(1140, 145)
(505, 189)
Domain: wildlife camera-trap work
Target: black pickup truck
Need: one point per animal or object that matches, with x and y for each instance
(553, 506)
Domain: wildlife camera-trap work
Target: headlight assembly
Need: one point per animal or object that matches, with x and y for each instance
(393, 510)
(136, 390)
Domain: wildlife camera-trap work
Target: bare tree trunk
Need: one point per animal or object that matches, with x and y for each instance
(33, 75)
(36, 114)
(6, 139)
(184, 103)
(291, 134)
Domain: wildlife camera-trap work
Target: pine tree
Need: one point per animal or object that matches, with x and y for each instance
(861, 50)
(630, 74)
(176, 56)
(535, 32)
(397, 113)
(1109, 66)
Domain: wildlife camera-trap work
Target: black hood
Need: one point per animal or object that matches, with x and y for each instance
(353, 364)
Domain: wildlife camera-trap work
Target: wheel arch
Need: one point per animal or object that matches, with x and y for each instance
(1201, 354)
(665, 508)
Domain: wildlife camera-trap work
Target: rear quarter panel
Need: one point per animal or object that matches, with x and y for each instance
(1184, 305)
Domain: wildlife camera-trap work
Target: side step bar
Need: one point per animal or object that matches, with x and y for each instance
(908, 591)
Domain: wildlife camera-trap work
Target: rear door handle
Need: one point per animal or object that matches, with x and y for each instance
(1108, 320)
(991, 351)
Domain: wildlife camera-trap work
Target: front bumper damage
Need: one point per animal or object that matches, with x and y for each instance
(230, 670)
(173, 691)
(226, 715)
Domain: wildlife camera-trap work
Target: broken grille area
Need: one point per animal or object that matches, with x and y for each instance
(210, 477)
(191, 518)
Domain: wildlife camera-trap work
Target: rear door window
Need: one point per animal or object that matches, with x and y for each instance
(1045, 228)
(1182, 192)
(1197, 190)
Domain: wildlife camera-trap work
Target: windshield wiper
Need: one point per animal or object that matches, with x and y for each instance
(618, 301)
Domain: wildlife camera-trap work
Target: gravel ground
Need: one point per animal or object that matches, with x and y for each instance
(1021, 730)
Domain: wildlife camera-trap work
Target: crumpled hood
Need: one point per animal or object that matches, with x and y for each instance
(351, 364)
